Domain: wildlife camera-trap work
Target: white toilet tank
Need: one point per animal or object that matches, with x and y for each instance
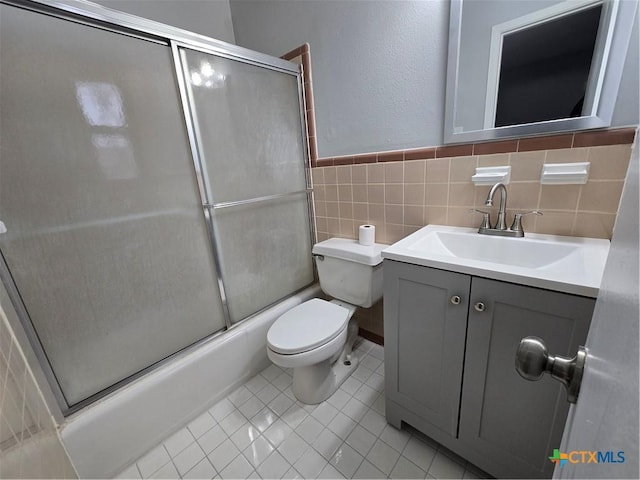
(349, 271)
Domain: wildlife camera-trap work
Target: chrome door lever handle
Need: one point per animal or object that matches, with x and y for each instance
(533, 361)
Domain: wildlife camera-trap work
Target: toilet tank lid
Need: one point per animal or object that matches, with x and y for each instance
(347, 249)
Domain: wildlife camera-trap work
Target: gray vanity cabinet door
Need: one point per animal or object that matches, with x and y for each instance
(512, 424)
(424, 336)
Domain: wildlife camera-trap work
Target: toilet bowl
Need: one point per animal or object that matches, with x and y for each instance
(311, 338)
(316, 337)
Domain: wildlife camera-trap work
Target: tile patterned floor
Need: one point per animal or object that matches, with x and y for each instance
(261, 431)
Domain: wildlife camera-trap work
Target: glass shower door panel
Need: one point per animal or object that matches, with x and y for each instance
(251, 146)
(106, 238)
(266, 252)
(249, 121)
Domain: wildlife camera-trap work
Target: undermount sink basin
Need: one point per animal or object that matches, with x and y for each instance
(567, 264)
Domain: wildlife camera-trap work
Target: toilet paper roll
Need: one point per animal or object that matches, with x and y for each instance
(367, 235)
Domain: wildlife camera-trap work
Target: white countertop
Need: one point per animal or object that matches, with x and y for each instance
(564, 264)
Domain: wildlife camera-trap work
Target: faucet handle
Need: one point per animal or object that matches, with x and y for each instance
(517, 219)
(486, 222)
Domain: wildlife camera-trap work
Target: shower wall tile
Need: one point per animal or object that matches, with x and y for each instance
(360, 193)
(438, 170)
(609, 163)
(593, 224)
(526, 166)
(394, 172)
(375, 173)
(443, 189)
(601, 196)
(524, 196)
(343, 175)
(414, 193)
(495, 160)
(463, 168)
(345, 192)
(359, 174)
(393, 193)
(415, 171)
(567, 155)
(564, 197)
(30, 446)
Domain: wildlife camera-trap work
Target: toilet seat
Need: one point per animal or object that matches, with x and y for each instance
(307, 326)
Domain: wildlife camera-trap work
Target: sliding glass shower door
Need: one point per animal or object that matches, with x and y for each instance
(106, 241)
(154, 192)
(247, 122)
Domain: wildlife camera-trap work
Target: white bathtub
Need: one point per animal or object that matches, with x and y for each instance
(110, 434)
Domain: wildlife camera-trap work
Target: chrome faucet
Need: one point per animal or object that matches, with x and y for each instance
(501, 223)
(500, 228)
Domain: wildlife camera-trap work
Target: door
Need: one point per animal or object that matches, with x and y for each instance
(250, 145)
(605, 417)
(425, 313)
(509, 422)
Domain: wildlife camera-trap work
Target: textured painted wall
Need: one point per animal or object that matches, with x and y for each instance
(206, 17)
(477, 20)
(378, 66)
(627, 110)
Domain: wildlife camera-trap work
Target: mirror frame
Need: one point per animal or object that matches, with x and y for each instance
(612, 65)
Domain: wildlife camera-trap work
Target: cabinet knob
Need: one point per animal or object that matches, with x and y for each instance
(455, 300)
(480, 307)
(533, 360)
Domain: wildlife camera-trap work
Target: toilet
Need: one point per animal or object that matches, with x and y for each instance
(316, 337)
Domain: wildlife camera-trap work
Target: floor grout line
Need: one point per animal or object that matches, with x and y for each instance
(355, 413)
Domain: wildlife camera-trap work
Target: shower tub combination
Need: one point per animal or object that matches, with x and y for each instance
(156, 194)
(109, 435)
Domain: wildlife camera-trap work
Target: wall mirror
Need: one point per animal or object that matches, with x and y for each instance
(527, 67)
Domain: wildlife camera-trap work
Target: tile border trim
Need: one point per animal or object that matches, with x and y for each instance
(590, 138)
(302, 56)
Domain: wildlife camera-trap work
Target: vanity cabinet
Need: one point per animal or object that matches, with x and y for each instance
(450, 343)
(424, 337)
